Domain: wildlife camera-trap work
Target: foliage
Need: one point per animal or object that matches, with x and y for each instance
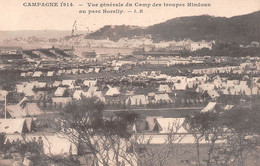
(225, 49)
(103, 138)
(2, 140)
(119, 125)
(233, 129)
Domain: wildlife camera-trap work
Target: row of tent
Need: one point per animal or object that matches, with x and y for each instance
(24, 108)
(159, 124)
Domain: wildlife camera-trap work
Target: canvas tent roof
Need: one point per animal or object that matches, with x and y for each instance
(97, 94)
(63, 100)
(180, 86)
(32, 109)
(68, 82)
(24, 108)
(29, 122)
(56, 83)
(210, 107)
(60, 91)
(213, 94)
(23, 75)
(42, 85)
(112, 91)
(90, 83)
(37, 74)
(255, 90)
(28, 92)
(25, 99)
(204, 87)
(58, 145)
(40, 95)
(171, 125)
(97, 70)
(151, 122)
(10, 126)
(15, 111)
(19, 88)
(77, 94)
(162, 97)
(92, 89)
(26, 88)
(164, 88)
(54, 144)
(228, 107)
(50, 73)
(137, 100)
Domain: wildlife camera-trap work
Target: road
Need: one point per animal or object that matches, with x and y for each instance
(164, 112)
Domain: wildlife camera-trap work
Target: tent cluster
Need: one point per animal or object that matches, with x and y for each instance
(24, 108)
(158, 124)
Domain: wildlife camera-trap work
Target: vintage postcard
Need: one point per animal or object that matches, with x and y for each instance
(129, 83)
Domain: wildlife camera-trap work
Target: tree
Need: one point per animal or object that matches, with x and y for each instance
(242, 125)
(112, 140)
(2, 140)
(105, 139)
(234, 130)
(199, 124)
(150, 154)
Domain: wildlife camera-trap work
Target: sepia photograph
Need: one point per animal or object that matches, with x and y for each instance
(130, 83)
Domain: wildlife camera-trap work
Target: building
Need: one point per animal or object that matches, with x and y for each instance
(11, 53)
(202, 44)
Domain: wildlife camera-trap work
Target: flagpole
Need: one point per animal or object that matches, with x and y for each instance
(5, 106)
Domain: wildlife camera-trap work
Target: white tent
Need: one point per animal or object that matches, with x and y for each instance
(136, 100)
(11, 126)
(92, 89)
(213, 94)
(50, 74)
(77, 94)
(171, 125)
(70, 83)
(58, 145)
(112, 91)
(56, 83)
(162, 97)
(54, 144)
(61, 100)
(32, 109)
(180, 86)
(164, 89)
(60, 91)
(90, 83)
(25, 99)
(228, 107)
(151, 122)
(37, 74)
(210, 107)
(24, 108)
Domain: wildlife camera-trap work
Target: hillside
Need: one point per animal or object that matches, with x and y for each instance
(242, 29)
(116, 32)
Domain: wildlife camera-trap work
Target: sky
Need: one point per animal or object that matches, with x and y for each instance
(15, 16)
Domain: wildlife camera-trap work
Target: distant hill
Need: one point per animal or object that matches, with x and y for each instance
(241, 29)
(116, 32)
